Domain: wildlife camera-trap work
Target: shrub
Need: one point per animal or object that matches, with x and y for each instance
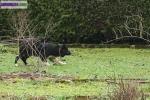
(126, 91)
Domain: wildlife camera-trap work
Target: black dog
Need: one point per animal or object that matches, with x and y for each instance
(32, 47)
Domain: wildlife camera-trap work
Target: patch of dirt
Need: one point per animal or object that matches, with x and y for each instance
(64, 79)
(11, 97)
(35, 76)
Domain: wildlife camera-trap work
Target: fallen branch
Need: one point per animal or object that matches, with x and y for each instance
(111, 41)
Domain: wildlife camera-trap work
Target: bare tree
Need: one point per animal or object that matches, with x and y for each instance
(134, 26)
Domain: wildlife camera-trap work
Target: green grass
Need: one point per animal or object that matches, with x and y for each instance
(82, 64)
(44, 88)
(88, 63)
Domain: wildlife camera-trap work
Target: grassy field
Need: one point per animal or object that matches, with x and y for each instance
(83, 75)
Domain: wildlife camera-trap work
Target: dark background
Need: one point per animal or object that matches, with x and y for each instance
(81, 21)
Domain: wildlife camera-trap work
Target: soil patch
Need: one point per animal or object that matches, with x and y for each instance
(63, 79)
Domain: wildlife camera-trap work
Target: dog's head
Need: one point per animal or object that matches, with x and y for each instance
(63, 50)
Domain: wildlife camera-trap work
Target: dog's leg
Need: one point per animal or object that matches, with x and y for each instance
(24, 59)
(16, 60)
(58, 61)
(44, 60)
(61, 62)
(46, 63)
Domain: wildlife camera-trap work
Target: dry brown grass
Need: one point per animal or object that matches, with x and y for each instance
(126, 91)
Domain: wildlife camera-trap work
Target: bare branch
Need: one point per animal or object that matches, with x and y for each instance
(111, 41)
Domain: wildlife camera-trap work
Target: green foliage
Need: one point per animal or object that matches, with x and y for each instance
(78, 20)
(3, 49)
